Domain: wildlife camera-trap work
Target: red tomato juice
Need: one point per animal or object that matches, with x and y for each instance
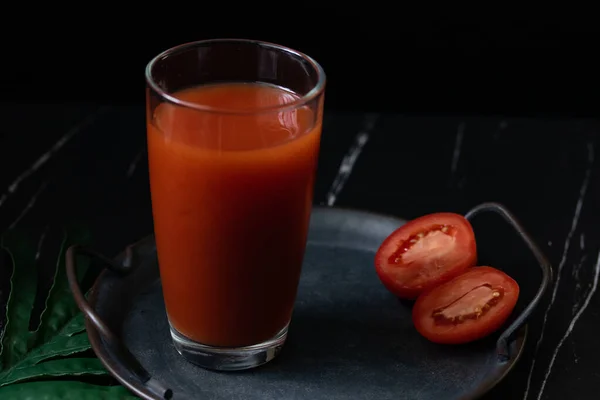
(231, 200)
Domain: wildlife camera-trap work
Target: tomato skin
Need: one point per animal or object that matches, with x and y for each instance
(470, 329)
(409, 280)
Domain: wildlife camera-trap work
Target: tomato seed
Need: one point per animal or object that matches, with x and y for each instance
(403, 247)
(463, 308)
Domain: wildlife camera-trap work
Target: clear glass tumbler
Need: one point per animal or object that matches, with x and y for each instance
(233, 129)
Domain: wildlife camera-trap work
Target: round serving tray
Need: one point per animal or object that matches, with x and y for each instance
(349, 337)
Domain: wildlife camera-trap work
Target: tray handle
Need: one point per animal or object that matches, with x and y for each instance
(123, 268)
(502, 345)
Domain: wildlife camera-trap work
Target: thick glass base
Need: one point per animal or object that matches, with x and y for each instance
(228, 358)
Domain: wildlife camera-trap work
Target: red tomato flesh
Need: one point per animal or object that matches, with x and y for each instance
(425, 252)
(466, 308)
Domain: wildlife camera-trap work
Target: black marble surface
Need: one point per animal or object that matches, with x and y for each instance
(87, 163)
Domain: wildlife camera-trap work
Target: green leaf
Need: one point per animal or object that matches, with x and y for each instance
(75, 325)
(59, 367)
(15, 337)
(58, 346)
(60, 318)
(63, 390)
(29, 361)
(60, 305)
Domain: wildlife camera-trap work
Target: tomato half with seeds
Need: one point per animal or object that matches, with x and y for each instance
(467, 308)
(425, 252)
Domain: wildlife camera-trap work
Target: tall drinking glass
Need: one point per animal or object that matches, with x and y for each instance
(233, 130)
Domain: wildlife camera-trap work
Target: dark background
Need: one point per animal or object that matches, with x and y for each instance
(384, 60)
(57, 69)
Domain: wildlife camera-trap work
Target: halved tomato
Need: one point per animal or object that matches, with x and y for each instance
(425, 252)
(466, 308)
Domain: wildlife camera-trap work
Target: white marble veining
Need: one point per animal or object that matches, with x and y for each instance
(43, 159)
(577, 269)
(569, 330)
(460, 133)
(574, 222)
(350, 158)
(577, 279)
(29, 205)
(40, 243)
(134, 163)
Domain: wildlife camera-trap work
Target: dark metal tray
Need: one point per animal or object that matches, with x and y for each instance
(349, 337)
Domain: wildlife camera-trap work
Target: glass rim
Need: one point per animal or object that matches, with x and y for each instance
(312, 94)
